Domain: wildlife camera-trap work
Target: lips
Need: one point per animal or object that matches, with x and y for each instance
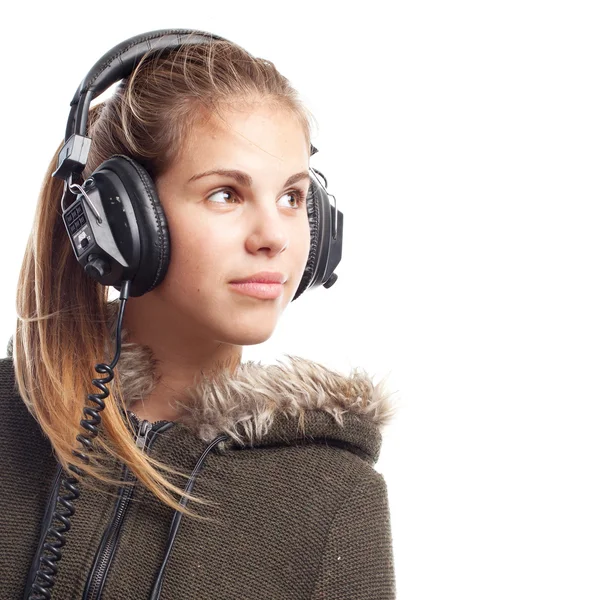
(266, 291)
(263, 277)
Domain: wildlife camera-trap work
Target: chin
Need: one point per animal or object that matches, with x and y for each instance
(245, 339)
(243, 328)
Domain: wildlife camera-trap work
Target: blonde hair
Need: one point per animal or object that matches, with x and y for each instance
(63, 319)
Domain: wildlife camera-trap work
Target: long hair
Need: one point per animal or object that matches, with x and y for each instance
(64, 316)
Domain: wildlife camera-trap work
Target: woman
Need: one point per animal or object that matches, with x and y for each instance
(208, 477)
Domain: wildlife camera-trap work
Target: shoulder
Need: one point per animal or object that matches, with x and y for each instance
(26, 453)
(360, 522)
(321, 477)
(342, 504)
(10, 400)
(9, 394)
(17, 422)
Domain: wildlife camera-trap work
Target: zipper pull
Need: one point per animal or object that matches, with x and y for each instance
(142, 434)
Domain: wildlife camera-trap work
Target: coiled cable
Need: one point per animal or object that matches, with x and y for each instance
(50, 552)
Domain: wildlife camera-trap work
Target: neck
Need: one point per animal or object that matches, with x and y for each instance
(179, 354)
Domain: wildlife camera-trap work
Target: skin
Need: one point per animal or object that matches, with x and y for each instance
(194, 320)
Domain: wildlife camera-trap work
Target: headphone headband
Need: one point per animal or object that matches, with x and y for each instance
(119, 62)
(115, 65)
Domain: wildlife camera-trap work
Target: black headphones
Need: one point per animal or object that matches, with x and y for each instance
(116, 224)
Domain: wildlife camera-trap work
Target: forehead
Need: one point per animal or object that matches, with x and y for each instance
(272, 131)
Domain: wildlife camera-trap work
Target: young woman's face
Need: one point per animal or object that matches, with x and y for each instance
(226, 228)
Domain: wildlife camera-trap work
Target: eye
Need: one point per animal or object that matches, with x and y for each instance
(297, 194)
(222, 192)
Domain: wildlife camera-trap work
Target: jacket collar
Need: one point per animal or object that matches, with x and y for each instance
(287, 403)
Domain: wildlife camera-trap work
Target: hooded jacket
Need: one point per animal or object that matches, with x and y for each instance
(284, 453)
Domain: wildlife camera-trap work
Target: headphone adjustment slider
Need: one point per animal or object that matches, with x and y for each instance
(73, 156)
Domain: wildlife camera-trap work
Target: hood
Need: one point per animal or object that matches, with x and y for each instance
(294, 401)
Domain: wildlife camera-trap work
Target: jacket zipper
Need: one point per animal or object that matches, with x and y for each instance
(145, 436)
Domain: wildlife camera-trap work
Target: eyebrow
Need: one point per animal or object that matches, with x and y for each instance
(245, 179)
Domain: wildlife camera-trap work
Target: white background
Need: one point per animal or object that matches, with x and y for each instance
(462, 141)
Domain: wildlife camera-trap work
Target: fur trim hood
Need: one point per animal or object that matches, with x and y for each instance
(264, 405)
(278, 404)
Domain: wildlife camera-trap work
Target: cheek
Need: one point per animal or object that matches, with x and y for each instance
(196, 248)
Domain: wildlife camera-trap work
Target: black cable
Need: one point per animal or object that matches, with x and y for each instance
(175, 522)
(46, 524)
(51, 551)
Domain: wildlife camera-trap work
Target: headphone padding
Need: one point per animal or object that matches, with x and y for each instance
(155, 252)
(314, 222)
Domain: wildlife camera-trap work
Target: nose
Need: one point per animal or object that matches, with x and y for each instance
(268, 231)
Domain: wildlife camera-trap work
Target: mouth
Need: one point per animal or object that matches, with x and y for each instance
(265, 291)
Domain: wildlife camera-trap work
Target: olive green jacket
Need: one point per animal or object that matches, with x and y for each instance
(284, 453)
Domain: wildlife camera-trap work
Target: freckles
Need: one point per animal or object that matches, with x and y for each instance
(187, 238)
(199, 257)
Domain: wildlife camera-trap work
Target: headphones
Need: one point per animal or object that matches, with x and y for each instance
(120, 236)
(117, 225)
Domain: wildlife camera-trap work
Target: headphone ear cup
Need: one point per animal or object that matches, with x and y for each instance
(314, 208)
(141, 199)
(326, 225)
